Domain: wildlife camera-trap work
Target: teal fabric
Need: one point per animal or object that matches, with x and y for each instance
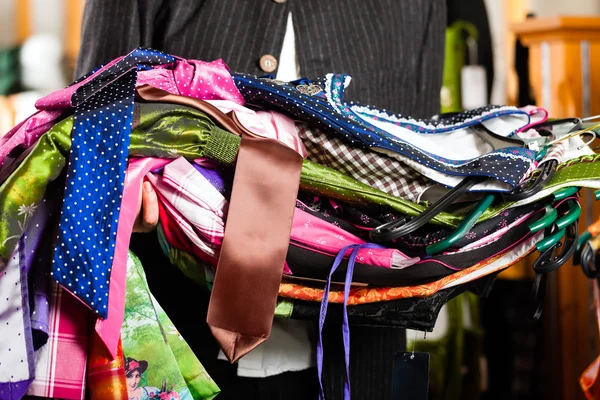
(10, 71)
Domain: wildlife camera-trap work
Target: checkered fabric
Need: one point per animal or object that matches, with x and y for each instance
(376, 170)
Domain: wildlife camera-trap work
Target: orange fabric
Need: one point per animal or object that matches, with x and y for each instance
(373, 294)
(106, 376)
(590, 384)
(589, 381)
(594, 229)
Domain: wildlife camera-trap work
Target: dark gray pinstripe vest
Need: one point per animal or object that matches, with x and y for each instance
(394, 49)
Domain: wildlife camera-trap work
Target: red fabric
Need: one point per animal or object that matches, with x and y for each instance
(590, 384)
(177, 238)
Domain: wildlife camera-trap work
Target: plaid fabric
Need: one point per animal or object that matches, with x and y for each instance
(557, 152)
(378, 171)
(197, 206)
(60, 369)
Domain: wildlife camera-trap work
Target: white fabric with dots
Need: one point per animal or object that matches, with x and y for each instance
(13, 349)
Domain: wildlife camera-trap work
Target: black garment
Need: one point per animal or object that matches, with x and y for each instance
(299, 385)
(412, 313)
(393, 49)
(525, 96)
(513, 345)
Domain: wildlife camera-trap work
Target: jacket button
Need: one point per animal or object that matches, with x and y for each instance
(268, 63)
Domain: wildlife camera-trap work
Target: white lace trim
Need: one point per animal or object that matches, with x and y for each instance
(393, 118)
(505, 155)
(332, 103)
(356, 109)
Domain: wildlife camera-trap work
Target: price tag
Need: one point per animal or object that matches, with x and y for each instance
(411, 376)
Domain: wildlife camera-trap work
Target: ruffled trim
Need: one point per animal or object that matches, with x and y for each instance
(395, 119)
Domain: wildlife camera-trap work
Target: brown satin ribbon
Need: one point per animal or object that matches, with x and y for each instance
(152, 94)
(257, 233)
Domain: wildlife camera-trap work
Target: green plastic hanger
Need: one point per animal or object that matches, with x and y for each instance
(551, 214)
(565, 192)
(548, 219)
(550, 241)
(585, 236)
(465, 225)
(569, 218)
(544, 222)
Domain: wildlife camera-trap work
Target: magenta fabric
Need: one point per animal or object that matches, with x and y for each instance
(52, 108)
(109, 329)
(192, 78)
(28, 132)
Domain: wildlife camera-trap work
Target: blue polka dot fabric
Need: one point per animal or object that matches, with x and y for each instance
(320, 102)
(136, 60)
(95, 178)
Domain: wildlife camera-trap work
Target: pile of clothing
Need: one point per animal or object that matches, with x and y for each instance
(278, 197)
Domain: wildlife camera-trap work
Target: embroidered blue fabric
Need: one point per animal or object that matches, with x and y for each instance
(95, 178)
(321, 103)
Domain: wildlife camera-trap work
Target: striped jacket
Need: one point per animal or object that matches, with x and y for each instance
(393, 49)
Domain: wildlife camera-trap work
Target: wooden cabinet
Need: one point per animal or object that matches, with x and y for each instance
(564, 62)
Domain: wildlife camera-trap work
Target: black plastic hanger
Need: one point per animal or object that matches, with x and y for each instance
(546, 263)
(395, 229)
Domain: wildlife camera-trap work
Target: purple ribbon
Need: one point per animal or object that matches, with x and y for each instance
(345, 326)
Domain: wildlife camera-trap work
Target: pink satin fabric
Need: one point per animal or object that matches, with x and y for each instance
(192, 78)
(269, 124)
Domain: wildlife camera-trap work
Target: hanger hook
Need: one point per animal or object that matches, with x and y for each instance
(593, 137)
